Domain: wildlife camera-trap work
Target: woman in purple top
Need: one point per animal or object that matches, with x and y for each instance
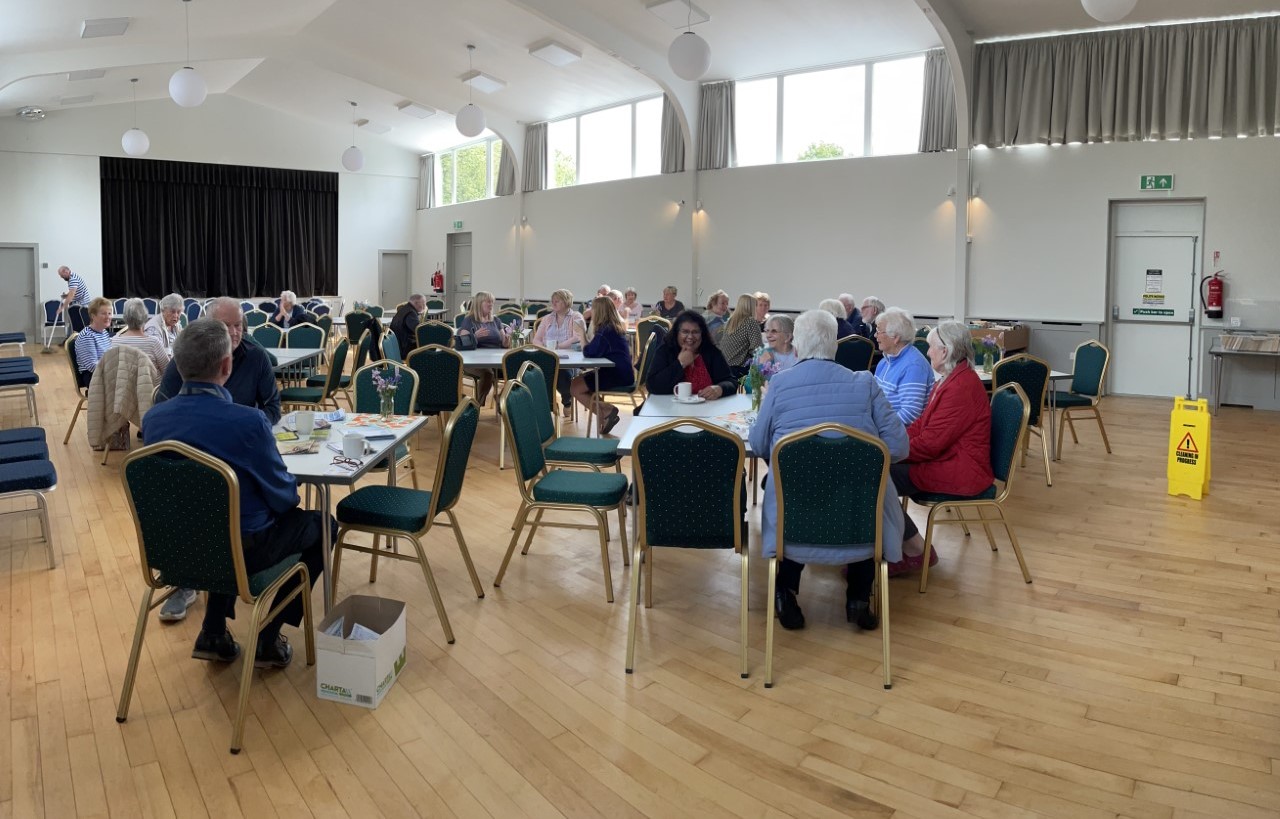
(608, 340)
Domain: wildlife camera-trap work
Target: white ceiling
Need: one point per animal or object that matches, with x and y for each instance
(308, 57)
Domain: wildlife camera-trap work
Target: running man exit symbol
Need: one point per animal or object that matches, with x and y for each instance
(1156, 182)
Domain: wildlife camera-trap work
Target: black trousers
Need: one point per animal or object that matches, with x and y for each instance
(295, 532)
(901, 475)
(860, 577)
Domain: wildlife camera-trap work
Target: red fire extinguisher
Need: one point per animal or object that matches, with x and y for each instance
(1212, 303)
(437, 281)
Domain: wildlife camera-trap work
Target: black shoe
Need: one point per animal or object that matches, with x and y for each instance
(859, 612)
(609, 423)
(218, 648)
(788, 610)
(274, 654)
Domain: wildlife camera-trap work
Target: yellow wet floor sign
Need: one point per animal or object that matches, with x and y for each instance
(1189, 448)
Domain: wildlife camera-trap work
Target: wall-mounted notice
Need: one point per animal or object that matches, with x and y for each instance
(1155, 281)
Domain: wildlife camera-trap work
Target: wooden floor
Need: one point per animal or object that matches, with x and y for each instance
(1138, 676)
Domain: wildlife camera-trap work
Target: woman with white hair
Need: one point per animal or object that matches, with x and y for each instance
(833, 306)
(166, 323)
(903, 373)
(135, 318)
(290, 312)
(818, 390)
(950, 441)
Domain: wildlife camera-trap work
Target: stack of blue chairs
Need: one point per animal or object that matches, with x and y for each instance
(18, 373)
(26, 471)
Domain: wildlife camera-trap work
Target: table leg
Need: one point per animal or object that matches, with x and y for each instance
(599, 434)
(1053, 422)
(322, 500)
(1216, 370)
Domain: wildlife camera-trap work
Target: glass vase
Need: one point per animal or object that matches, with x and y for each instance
(388, 406)
(988, 361)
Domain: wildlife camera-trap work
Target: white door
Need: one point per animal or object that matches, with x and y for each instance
(18, 275)
(393, 277)
(1154, 267)
(458, 269)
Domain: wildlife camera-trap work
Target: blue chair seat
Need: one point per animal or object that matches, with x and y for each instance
(259, 581)
(23, 451)
(344, 381)
(20, 434)
(18, 378)
(582, 450)
(939, 497)
(1065, 400)
(13, 338)
(23, 475)
(21, 361)
(591, 488)
(301, 395)
(386, 507)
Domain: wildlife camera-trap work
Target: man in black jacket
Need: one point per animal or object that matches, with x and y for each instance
(405, 323)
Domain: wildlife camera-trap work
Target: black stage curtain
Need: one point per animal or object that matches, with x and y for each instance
(217, 230)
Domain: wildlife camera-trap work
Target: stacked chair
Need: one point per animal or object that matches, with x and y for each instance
(18, 374)
(27, 472)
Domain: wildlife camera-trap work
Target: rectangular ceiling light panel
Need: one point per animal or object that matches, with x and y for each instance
(482, 82)
(79, 100)
(373, 127)
(87, 74)
(104, 27)
(555, 53)
(415, 110)
(678, 13)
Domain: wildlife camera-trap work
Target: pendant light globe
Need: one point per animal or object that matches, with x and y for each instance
(470, 120)
(689, 56)
(187, 87)
(1108, 11)
(135, 142)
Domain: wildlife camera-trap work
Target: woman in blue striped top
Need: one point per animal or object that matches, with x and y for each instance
(93, 341)
(904, 374)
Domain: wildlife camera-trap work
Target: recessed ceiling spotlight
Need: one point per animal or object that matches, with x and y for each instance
(678, 13)
(87, 74)
(104, 27)
(555, 53)
(373, 127)
(482, 82)
(413, 109)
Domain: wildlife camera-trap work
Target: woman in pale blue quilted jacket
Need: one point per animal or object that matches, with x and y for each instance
(814, 391)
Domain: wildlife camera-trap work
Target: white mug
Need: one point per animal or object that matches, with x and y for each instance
(684, 390)
(304, 421)
(353, 445)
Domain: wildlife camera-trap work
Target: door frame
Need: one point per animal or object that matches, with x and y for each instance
(1193, 326)
(36, 315)
(453, 286)
(408, 279)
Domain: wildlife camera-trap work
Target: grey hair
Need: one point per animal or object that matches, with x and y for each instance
(956, 340)
(215, 306)
(846, 299)
(135, 314)
(874, 302)
(289, 296)
(834, 307)
(898, 323)
(784, 322)
(173, 301)
(417, 297)
(815, 335)
(200, 349)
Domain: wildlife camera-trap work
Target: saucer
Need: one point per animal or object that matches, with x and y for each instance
(693, 399)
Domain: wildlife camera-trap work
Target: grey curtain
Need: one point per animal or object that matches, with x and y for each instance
(938, 116)
(506, 183)
(535, 157)
(426, 181)
(1193, 81)
(672, 138)
(716, 146)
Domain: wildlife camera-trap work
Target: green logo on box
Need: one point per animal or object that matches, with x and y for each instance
(336, 690)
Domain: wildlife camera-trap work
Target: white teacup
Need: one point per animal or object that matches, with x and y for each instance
(304, 421)
(353, 445)
(684, 390)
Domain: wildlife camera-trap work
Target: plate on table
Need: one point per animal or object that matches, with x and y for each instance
(693, 399)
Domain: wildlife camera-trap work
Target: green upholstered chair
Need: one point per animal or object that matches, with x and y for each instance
(368, 401)
(357, 322)
(513, 318)
(399, 512)
(562, 490)
(1010, 412)
(457, 320)
(305, 337)
(318, 398)
(647, 326)
(921, 344)
(439, 370)
(434, 332)
(83, 392)
(535, 306)
(829, 481)
(690, 484)
(375, 311)
(391, 348)
(854, 353)
(435, 304)
(186, 507)
(512, 361)
(268, 335)
(1087, 376)
(255, 318)
(513, 306)
(1032, 375)
(565, 453)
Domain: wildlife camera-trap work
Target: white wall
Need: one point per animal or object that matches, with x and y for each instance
(49, 178)
(812, 230)
(495, 244)
(1040, 225)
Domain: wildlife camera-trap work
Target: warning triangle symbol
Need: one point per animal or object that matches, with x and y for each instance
(1188, 444)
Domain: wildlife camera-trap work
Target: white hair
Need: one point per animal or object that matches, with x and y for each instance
(956, 340)
(898, 323)
(135, 314)
(173, 301)
(849, 304)
(834, 307)
(874, 303)
(815, 335)
(289, 296)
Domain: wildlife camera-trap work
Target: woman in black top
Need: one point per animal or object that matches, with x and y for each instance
(689, 354)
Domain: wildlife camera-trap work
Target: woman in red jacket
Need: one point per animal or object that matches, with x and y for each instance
(950, 441)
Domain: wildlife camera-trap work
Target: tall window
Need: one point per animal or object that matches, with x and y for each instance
(468, 172)
(870, 109)
(620, 142)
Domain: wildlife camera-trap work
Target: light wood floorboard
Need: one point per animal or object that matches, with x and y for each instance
(1138, 676)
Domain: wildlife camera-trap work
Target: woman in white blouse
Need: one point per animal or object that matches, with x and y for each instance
(561, 329)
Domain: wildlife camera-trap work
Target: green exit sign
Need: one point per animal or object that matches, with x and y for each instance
(1156, 182)
(458, 224)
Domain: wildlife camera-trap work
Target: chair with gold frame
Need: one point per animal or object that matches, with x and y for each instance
(401, 512)
(854, 353)
(1087, 376)
(433, 332)
(439, 370)
(556, 490)
(1010, 412)
(83, 392)
(829, 481)
(690, 485)
(1032, 375)
(640, 373)
(186, 508)
(646, 327)
(368, 401)
(567, 452)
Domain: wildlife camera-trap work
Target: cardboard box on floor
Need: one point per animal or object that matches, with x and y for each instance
(360, 672)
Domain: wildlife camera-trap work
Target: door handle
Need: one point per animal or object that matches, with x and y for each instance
(1115, 311)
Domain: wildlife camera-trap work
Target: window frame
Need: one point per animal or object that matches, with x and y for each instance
(577, 140)
(490, 170)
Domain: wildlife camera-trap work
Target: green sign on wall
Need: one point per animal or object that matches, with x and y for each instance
(1152, 311)
(1156, 182)
(457, 225)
